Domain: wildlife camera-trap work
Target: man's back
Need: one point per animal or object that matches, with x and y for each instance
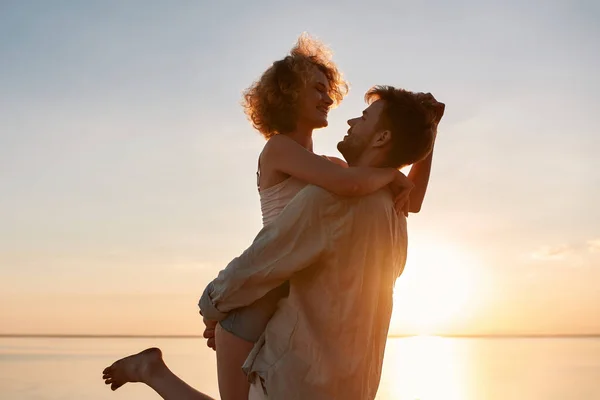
(327, 339)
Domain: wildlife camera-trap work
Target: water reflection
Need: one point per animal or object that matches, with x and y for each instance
(425, 368)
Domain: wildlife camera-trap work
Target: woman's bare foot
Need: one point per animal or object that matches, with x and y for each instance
(139, 367)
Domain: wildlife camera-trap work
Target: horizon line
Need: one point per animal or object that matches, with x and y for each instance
(457, 336)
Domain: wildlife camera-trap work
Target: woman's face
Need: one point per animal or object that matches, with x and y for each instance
(314, 101)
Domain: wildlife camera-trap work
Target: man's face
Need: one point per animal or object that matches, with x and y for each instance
(361, 132)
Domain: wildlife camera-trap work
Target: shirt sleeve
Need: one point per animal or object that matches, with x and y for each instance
(296, 239)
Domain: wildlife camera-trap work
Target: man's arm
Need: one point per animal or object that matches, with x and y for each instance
(419, 176)
(419, 173)
(294, 241)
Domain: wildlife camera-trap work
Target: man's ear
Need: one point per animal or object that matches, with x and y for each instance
(382, 138)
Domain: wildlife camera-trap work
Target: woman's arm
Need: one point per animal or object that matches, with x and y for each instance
(337, 161)
(287, 156)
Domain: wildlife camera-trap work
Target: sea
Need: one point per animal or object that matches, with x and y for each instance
(415, 368)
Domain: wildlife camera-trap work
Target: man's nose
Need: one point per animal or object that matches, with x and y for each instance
(351, 121)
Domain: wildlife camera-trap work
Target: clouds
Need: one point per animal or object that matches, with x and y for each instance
(575, 254)
(552, 252)
(594, 245)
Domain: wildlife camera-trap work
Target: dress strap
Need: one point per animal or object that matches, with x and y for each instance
(258, 173)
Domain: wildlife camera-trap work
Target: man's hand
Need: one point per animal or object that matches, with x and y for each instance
(401, 187)
(434, 106)
(209, 333)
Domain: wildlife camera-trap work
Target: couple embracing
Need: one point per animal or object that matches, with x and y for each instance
(304, 312)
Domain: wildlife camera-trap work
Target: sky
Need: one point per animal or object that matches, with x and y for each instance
(127, 166)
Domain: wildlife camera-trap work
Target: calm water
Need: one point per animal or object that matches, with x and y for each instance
(424, 368)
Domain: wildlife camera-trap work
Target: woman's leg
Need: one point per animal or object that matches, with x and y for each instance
(235, 337)
(232, 351)
(148, 367)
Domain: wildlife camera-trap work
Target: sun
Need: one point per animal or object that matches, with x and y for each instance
(437, 291)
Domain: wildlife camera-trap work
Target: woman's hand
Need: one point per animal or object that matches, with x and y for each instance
(209, 333)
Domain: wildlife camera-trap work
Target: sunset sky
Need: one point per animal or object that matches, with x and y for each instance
(127, 167)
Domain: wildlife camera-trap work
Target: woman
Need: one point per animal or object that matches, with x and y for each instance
(289, 101)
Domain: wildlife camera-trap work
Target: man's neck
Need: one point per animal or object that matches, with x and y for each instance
(369, 159)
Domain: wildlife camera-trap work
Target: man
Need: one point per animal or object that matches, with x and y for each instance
(341, 256)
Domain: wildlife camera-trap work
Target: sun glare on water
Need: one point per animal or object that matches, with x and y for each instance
(425, 368)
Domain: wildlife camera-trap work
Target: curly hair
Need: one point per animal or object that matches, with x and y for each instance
(270, 103)
(412, 119)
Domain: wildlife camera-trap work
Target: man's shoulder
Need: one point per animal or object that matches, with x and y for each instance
(377, 207)
(316, 193)
(311, 200)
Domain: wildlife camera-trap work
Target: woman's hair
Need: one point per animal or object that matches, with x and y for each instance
(412, 118)
(271, 103)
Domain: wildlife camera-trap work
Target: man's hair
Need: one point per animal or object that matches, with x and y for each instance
(412, 119)
(271, 103)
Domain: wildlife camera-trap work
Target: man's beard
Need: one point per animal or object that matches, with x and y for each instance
(350, 151)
